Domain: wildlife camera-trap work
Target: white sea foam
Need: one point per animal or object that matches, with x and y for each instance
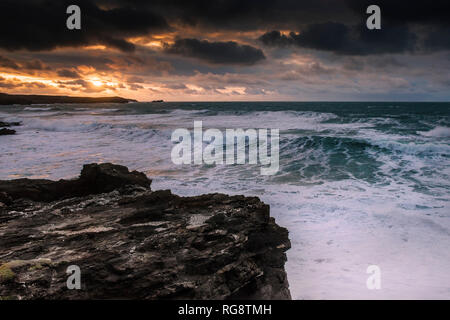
(37, 108)
(437, 132)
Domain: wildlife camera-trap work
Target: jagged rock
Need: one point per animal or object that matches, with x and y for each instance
(6, 131)
(9, 124)
(107, 177)
(135, 243)
(94, 179)
(5, 198)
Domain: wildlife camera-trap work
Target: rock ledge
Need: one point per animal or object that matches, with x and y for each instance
(134, 243)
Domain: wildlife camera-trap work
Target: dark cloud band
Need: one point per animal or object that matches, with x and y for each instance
(342, 39)
(38, 25)
(217, 52)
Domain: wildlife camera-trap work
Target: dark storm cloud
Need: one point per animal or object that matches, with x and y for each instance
(217, 52)
(407, 12)
(433, 17)
(337, 24)
(243, 14)
(65, 73)
(253, 14)
(41, 25)
(351, 37)
(342, 39)
(276, 39)
(438, 39)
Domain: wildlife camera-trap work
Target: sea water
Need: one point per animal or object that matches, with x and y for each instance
(359, 184)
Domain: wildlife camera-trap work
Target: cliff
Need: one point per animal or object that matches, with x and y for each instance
(134, 243)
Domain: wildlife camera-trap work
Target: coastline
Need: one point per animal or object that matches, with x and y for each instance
(9, 99)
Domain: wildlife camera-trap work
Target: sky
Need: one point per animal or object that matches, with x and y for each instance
(227, 50)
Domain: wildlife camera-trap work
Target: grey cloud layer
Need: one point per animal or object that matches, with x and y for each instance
(38, 25)
(333, 25)
(228, 52)
(342, 39)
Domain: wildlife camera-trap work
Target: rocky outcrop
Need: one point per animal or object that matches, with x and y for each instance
(9, 124)
(6, 131)
(134, 243)
(94, 179)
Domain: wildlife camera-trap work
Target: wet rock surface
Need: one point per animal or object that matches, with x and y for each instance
(93, 179)
(9, 124)
(6, 131)
(134, 243)
(4, 128)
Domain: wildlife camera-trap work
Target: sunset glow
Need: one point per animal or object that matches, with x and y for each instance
(275, 53)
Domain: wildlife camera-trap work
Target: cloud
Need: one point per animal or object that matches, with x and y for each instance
(38, 25)
(14, 83)
(23, 65)
(34, 65)
(328, 25)
(83, 85)
(112, 23)
(242, 14)
(8, 84)
(347, 40)
(276, 39)
(135, 86)
(134, 79)
(175, 86)
(328, 55)
(217, 52)
(413, 12)
(307, 71)
(65, 73)
(8, 63)
(438, 39)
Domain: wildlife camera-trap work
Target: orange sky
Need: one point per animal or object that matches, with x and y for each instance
(231, 51)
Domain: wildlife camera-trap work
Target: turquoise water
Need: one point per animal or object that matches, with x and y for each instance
(359, 183)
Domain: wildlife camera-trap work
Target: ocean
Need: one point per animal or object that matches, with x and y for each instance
(359, 184)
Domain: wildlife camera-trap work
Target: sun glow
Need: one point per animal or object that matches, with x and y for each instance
(97, 83)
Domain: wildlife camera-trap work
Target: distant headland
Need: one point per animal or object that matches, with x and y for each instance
(45, 99)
